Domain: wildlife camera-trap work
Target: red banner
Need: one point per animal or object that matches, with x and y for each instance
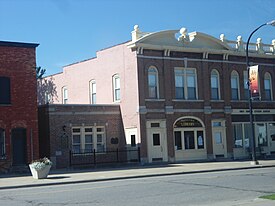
(254, 84)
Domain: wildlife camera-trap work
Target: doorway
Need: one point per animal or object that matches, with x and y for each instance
(219, 139)
(19, 149)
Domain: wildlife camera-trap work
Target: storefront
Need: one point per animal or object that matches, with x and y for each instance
(189, 136)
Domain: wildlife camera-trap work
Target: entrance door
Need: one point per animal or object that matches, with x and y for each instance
(219, 140)
(157, 148)
(19, 146)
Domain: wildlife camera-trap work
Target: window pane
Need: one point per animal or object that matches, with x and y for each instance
(117, 93)
(214, 81)
(89, 129)
(89, 138)
(179, 81)
(200, 140)
(178, 142)
(190, 81)
(76, 139)
(99, 138)
(133, 140)
(100, 129)
(156, 139)
(100, 148)
(117, 82)
(238, 135)
(189, 140)
(179, 93)
(152, 80)
(191, 93)
(5, 96)
(88, 147)
(214, 94)
(218, 137)
(267, 84)
(234, 82)
(152, 92)
(247, 134)
(2, 143)
(76, 148)
(234, 94)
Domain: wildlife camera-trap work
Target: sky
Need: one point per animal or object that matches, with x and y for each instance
(70, 31)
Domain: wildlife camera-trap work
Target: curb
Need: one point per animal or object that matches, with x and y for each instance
(132, 177)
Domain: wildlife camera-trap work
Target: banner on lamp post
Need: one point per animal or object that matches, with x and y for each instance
(254, 83)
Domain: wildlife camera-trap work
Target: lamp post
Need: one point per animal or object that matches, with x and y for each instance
(253, 142)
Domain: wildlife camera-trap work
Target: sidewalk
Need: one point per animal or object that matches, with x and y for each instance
(58, 177)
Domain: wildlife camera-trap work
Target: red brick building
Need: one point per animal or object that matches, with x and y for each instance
(183, 96)
(18, 104)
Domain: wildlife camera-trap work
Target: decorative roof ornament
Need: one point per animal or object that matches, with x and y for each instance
(222, 38)
(183, 36)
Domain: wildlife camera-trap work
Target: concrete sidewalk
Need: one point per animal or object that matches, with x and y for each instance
(58, 177)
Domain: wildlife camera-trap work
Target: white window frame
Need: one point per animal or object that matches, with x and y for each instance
(64, 95)
(153, 71)
(116, 88)
(95, 132)
(184, 74)
(215, 73)
(92, 88)
(234, 74)
(267, 76)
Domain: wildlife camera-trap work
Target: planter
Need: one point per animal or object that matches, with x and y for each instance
(40, 174)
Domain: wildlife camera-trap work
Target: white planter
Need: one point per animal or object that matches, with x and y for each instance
(40, 174)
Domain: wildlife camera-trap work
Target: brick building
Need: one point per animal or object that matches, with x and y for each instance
(18, 104)
(183, 96)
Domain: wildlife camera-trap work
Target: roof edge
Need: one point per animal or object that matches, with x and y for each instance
(18, 44)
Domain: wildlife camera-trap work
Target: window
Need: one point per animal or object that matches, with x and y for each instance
(267, 87)
(200, 140)
(215, 85)
(185, 84)
(93, 92)
(88, 139)
(234, 85)
(189, 140)
(153, 82)
(245, 86)
(178, 142)
(116, 88)
(64, 95)
(2, 143)
(238, 135)
(133, 140)
(5, 95)
(156, 139)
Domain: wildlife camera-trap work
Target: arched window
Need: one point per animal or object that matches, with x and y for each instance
(235, 91)
(189, 134)
(267, 86)
(245, 85)
(92, 89)
(215, 85)
(64, 95)
(153, 82)
(116, 87)
(2, 143)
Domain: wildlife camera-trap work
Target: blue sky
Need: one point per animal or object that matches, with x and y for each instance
(73, 30)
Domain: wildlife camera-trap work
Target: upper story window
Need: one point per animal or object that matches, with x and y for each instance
(64, 95)
(153, 82)
(235, 92)
(245, 86)
(5, 93)
(92, 92)
(2, 143)
(267, 87)
(215, 86)
(116, 88)
(185, 83)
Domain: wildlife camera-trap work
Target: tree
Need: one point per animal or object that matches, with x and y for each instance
(39, 72)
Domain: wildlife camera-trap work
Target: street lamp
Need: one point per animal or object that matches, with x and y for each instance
(253, 142)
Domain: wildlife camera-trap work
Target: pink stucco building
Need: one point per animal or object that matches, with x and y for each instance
(182, 96)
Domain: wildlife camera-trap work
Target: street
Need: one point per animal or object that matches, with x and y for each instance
(240, 187)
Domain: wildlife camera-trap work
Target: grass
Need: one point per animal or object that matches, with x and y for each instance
(269, 197)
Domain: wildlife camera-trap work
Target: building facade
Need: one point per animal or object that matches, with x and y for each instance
(183, 96)
(18, 104)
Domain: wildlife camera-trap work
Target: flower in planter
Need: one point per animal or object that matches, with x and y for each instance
(40, 163)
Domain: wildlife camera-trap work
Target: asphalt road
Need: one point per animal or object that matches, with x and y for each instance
(239, 187)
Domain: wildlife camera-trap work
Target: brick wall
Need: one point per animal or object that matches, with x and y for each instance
(18, 62)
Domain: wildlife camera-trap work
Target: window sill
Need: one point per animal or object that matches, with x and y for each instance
(218, 100)
(154, 100)
(187, 100)
(5, 105)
